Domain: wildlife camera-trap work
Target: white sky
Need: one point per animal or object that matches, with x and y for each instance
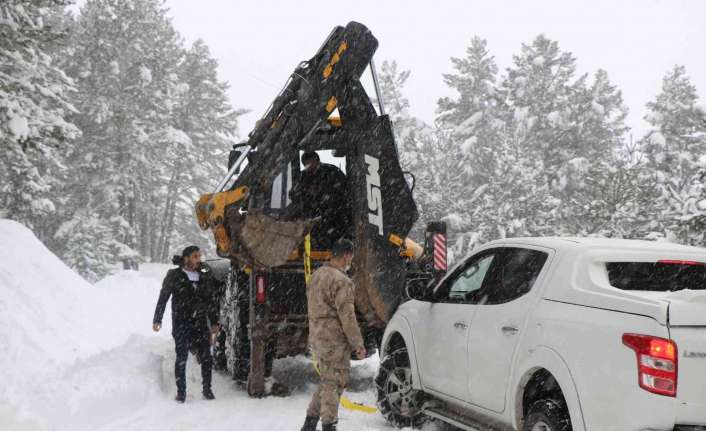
(258, 43)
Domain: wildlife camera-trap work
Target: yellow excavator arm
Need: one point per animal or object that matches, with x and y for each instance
(210, 213)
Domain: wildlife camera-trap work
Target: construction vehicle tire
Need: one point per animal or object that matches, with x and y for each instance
(237, 341)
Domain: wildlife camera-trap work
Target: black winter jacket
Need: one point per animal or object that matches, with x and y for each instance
(325, 194)
(198, 306)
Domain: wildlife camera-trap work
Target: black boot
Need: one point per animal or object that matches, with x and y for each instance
(310, 423)
(180, 396)
(208, 394)
(329, 427)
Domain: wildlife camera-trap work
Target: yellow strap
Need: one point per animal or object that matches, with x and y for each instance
(350, 405)
(345, 402)
(307, 259)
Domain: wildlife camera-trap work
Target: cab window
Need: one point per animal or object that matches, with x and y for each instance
(467, 280)
(514, 274)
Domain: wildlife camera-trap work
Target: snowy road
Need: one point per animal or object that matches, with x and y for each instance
(77, 357)
(139, 389)
(145, 399)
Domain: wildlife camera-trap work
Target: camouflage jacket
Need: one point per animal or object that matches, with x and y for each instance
(332, 322)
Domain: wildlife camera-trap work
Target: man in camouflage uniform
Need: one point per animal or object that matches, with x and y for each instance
(333, 334)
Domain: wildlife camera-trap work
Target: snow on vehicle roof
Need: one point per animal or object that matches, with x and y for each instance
(563, 243)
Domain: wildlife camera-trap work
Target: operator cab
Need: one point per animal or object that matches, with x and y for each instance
(314, 186)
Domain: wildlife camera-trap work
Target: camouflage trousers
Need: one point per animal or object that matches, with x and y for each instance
(334, 379)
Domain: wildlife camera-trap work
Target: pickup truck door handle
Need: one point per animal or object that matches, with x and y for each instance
(461, 325)
(510, 330)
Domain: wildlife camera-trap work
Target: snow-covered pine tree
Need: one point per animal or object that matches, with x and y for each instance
(596, 186)
(473, 126)
(34, 132)
(541, 149)
(86, 243)
(204, 114)
(392, 81)
(124, 60)
(573, 130)
(674, 150)
(541, 114)
(514, 202)
(471, 120)
(408, 129)
(436, 178)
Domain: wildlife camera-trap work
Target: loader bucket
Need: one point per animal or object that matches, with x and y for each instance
(262, 241)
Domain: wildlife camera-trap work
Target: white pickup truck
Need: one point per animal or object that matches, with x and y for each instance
(554, 334)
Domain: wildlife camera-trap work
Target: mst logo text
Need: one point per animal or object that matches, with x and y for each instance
(372, 179)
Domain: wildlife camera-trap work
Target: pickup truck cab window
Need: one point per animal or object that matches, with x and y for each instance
(467, 280)
(513, 275)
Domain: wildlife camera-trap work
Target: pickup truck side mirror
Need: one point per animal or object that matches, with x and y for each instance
(421, 289)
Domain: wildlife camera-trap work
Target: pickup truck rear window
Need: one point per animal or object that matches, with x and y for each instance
(657, 276)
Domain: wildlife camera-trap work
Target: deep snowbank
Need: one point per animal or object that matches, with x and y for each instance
(37, 291)
(51, 319)
(75, 356)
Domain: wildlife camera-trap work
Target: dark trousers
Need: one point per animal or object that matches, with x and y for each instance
(187, 336)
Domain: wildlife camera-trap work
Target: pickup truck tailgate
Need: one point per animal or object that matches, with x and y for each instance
(687, 327)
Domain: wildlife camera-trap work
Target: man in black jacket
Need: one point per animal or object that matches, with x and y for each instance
(323, 192)
(195, 307)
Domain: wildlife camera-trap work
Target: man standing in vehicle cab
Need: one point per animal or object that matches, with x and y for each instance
(333, 334)
(195, 304)
(323, 192)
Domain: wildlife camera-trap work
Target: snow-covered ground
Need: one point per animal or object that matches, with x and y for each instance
(76, 356)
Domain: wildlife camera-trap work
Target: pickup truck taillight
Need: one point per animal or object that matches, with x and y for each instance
(656, 363)
(260, 289)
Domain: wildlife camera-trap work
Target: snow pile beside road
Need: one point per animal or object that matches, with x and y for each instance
(43, 320)
(100, 389)
(137, 290)
(76, 356)
(51, 319)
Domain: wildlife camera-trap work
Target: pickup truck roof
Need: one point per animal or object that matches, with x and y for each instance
(582, 243)
(577, 272)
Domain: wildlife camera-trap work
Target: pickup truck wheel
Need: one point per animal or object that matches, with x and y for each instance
(398, 402)
(547, 415)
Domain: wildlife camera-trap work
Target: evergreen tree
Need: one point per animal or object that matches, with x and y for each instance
(392, 82)
(572, 129)
(34, 104)
(540, 115)
(674, 150)
(595, 187)
(539, 150)
(473, 125)
(124, 60)
(204, 113)
(157, 126)
(472, 120)
(409, 131)
(87, 242)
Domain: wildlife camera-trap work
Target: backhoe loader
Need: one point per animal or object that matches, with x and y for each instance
(255, 215)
